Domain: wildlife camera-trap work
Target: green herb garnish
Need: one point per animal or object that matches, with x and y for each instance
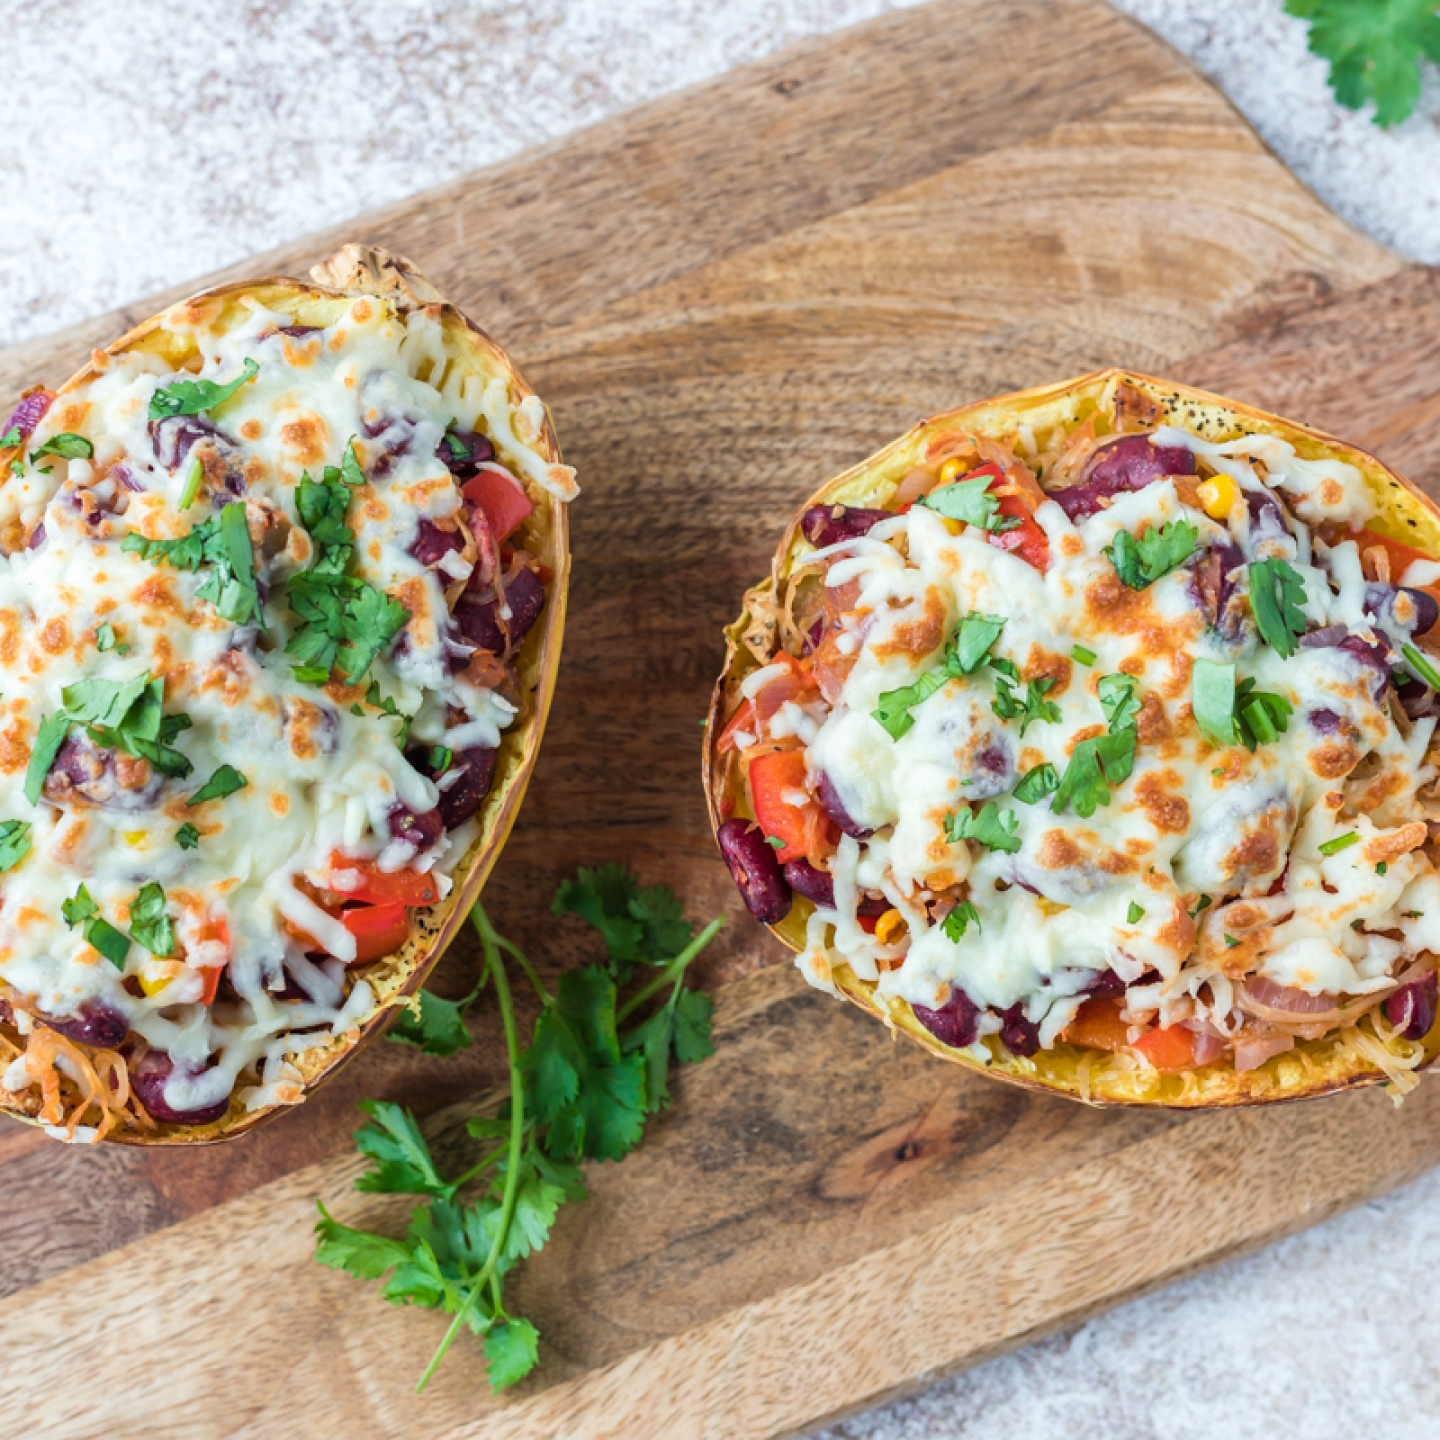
(991, 827)
(1009, 704)
(14, 843)
(150, 924)
(1339, 843)
(225, 781)
(1421, 666)
(194, 397)
(81, 910)
(1135, 914)
(958, 921)
(1276, 594)
(1081, 655)
(1140, 563)
(1037, 783)
(192, 484)
(971, 501)
(222, 543)
(582, 1090)
(187, 837)
(66, 446)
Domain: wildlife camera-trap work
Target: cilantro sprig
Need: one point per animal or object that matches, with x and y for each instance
(222, 544)
(66, 445)
(967, 649)
(581, 1090)
(1276, 594)
(959, 920)
(1161, 549)
(973, 502)
(80, 909)
(15, 843)
(194, 397)
(1029, 707)
(989, 826)
(1102, 761)
(1375, 49)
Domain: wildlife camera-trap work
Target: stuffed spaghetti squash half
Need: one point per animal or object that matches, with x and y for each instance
(1087, 736)
(281, 603)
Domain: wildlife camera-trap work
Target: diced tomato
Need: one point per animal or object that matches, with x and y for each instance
(742, 720)
(379, 930)
(215, 928)
(1170, 1049)
(1098, 1024)
(867, 923)
(378, 887)
(805, 829)
(505, 504)
(1399, 552)
(1027, 539)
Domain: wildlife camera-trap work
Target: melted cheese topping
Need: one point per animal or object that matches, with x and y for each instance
(1168, 884)
(324, 771)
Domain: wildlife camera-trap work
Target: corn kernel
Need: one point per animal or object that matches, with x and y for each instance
(137, 838)
(1050, 907)
(157, 974)
(951, 470)
(1218, 495)
(889, 927)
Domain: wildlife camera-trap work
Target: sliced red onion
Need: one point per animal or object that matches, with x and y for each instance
(28, 413)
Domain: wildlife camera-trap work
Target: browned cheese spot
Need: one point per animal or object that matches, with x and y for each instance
(920, 635)
(1167, 811)
(1043, 664)
(1334, 759)
(1381, 849)
(55, 636)
(252, 429)
(306, 437)
(14, 748)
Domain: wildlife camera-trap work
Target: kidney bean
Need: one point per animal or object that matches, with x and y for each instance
(1107, 985)
(37, 537)
(1323, 639)
(1324, 722)
(1267, 522)
(834, 807)
(813, 884)
(1380, 607)
(477, 451)
(755, 870)
(1130, 463)
(954, 1023)
(480, 623)
(1213, 588)
(1018, 1035)
(422, 828)
(1411, 1009)
(299, 332)
(432, 544)
(147, 1079)
(460, 799)
(28, 413)
(824, 525)
(95, 1024)
(1376, 658)
(83, 770)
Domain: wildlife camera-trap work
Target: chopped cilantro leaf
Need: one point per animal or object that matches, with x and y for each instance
(1081, 655)
(1212, 699)
(49, 739)
(971, 643)
(971, 501)
(194, 397)
(1140, 563)
(1135, 914)
(1381, 868)
(150, 923)
(440, 757)
(350, 472)
(1118, 699)
(1276, 594)
(14, 843)
(1029, 707)
(776, 841)
(81, 910)
(187, 837)
(1230, 942)
(1204, 903)
(1037, 783)
(344, 623)
(223, 544)
(105, 639)
(12, 437)
(893, 710)
(991, 827)
(66, 446)
(1095, 765)
(1339, 843)
(225, 781)
(959, 920)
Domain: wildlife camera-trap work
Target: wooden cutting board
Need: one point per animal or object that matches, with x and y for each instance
(726, 297)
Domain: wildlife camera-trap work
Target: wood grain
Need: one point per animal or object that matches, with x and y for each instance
(725, 297)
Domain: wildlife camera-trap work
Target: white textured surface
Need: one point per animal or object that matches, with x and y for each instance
(172, 138)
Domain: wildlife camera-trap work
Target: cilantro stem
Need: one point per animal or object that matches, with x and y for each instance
(511, 948)
(673, 971)
(490, 943)
(456, 1186)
